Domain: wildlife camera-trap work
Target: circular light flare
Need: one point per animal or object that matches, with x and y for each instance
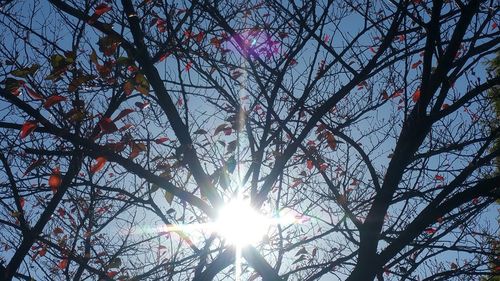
(240, 224)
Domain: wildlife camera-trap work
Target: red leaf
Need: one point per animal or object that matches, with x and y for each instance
(62, 264)
(61, 212)
(55, 180)
(142, 105)
(188, 66)
(101, 9)
(42, 252)
(101, 161)
(53, 100)
(228, 131)
(445, 106)
(430, 230)
(28, 128)
(310, 164)
(282, 35)
(136, 149)
(57, 230)
(107, 126)
(123, 113)
(164, 56)
(34, 95)
(296, 183)
(372, 50)
(323, 166)
(494, 25)
(439, 178)
(112, 274)
(199, 37)
(475, 201)
(331, 140)
(21, 202)
(384, 95)
(161, 140)
(415, 65)
(416, 95)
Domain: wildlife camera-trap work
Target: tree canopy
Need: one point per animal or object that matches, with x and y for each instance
(363, 134)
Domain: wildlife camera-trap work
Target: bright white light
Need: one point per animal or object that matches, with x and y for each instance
(240, 224)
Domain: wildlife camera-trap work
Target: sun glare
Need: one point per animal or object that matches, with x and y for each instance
(240, 224)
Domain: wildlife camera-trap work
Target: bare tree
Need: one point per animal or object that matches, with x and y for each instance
(362, 133)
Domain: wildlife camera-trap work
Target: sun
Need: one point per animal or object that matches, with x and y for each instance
(240, 224)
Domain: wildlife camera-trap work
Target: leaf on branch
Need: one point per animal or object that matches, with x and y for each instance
(34, 164)
(220, 128)
(416, 64)
(57, 231)
(101, 9)
(302, 251)
(231, 147)
(310, 164)
(416, 95)
(12, 85)
(25, 71)
(53, 100)
(142, 105)
(136, 149)
(169, 197)
(34, 95)
(107, 126)
(330, 139)
(55, 180)
(231, 164)
(100, 162)
(430, 230)
(62, 264)
(141, 84)
(439, 178)
(28, 127)
(123, 113)
(161, 140)
(188, 66)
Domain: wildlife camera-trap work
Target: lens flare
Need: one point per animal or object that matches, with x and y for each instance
(240, 224)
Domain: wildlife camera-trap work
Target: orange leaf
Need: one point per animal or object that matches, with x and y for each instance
(55, 180)
(28, 128)
(53, 100)
(416, 95)
(98, 165)
(123, 113)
